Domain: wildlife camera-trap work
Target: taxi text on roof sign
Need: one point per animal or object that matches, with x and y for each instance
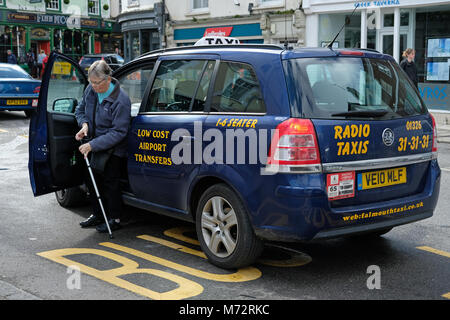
(216, 40)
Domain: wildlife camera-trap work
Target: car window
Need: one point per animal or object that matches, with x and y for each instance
(134, 83)
(176, 83)
(66, 87)
(13, 72)
(200, 97)
(113, 59)
(333, 86)
(89, 60)
(237, 89)
(119, 59)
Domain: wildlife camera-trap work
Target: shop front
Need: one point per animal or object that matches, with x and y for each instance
(248, 32)
(390, 26)
(74, 36)
(141, 33)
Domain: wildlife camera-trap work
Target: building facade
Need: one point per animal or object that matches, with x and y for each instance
(141, 27)
(391, 26)
(75, 27)
(251, 21)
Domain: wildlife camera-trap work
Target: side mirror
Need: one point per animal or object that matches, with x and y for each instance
(67, 105)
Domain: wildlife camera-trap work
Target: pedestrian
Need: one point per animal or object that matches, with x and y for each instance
(104, 115)
(11, 57)
(31, 61)
(44, 63)
(408, 65)
(40, 63)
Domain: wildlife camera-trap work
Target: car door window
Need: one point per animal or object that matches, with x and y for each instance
(134, 83)
(176, 83)
(66, 87)
(237, 89)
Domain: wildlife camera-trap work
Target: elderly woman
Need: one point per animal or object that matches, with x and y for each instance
(104, 117)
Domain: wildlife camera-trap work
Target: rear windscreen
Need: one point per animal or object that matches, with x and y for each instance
(90, 60)
(350, 88)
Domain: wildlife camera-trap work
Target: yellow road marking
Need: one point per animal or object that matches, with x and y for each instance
(173, 245)
(186, 288)
(297, 259)
(177, 233)
(436, 251)
(243, 274)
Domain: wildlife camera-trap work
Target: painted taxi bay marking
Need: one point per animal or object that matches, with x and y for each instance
(295, 258)
(438, 252)
(185, 288)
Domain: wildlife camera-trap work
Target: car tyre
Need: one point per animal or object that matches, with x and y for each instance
(224, 230)
(70, 197)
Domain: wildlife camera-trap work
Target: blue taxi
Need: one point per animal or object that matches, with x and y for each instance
(255, 143)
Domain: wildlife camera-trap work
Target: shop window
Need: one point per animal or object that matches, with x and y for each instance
(350, 36)
(237, 90)
(388, 19)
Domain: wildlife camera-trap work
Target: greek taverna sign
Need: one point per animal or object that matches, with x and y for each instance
(377, 4)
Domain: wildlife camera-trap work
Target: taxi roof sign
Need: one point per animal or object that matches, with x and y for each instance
(205, 41)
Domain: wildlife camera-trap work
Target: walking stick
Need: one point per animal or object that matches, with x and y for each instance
(98, 196)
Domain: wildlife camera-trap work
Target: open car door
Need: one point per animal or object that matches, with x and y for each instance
(54, 160)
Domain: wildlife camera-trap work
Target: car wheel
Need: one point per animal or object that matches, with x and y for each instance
(70, 197)
(224, 230)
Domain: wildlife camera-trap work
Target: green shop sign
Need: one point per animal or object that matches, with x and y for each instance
(72, 22)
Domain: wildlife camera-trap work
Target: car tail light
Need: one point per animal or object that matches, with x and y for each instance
(80, 60)
(37, 89)
(434, 147)
(294, 147)
(350, 53)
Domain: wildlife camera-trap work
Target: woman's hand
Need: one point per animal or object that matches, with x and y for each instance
(85, 149)
(83, 132)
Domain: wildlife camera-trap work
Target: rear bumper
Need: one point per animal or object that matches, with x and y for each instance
(302, 216)
(365, 228)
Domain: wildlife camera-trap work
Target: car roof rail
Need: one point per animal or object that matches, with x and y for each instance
(243, 45)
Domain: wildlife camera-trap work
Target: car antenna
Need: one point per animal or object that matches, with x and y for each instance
(330, 45)
(286, 43)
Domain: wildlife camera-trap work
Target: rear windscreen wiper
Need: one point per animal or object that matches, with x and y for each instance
(361, 113)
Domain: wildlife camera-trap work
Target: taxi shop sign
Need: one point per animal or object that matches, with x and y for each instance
(218, 32)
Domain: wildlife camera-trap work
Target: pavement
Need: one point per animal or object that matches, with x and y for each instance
(443, 126)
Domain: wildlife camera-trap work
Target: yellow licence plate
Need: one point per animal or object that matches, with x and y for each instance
(381, 178)
(17, 102)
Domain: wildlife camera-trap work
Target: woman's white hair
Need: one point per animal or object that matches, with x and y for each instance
(99, 69)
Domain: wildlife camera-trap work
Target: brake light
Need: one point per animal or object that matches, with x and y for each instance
(37, 89)
(434, 147)
(351, 53)
(294, 147)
